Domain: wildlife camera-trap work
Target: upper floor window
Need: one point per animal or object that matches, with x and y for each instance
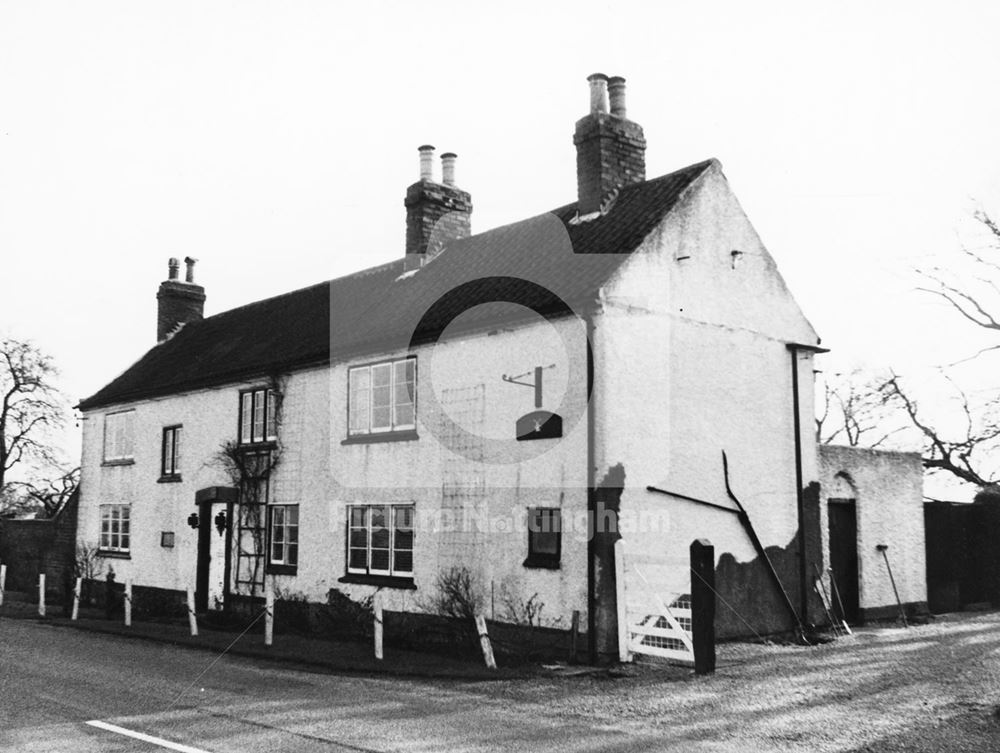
(171, 452)
(382, 397)
(119, 429)
(283, 536)
(258, 410)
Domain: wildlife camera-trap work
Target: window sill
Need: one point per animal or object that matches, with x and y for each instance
(172, 478)
(121, 461)
(106, 554)
(388, 436)
(382, 581)
(272, 569)
(270, 444)
(541, 563)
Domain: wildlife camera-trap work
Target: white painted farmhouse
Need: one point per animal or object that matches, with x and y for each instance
(510, 402)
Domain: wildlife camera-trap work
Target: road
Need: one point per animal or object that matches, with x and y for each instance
(55, 680)
(929, 688)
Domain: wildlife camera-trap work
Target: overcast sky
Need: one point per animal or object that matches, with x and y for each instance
(274, 142)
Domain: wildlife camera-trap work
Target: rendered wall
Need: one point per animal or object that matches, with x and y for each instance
(888, 491)
(692, 359)
(471, 504)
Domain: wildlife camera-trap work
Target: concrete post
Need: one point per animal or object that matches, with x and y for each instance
(41, 594)
(484, 642)
(192, 619)
(269, 617)
(377, 607)
(128, 603)
(76, 598)
(703, 605)
(3, 581)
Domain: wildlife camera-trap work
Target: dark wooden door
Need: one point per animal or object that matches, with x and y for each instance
(204, 556)
(844, 557)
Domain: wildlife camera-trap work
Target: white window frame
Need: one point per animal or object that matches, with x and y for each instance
(286, 542)
(119, 436)
(393, 570)
(111, 540)
(257, 414)
(361, 397)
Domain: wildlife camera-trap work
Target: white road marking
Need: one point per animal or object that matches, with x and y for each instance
(145, 738)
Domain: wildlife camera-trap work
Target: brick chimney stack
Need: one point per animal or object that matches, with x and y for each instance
(436, 213)
(610, 149)
(178, 302)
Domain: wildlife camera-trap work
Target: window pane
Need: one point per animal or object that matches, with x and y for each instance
(402, 549)
(258, 416)
(272, 405)
(176, 460)
(293, 555)
(358, 559)
(381, 397)
(245, 417)
(360, 381)
(358, 516)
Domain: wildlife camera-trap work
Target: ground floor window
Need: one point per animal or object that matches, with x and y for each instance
(380, 540)
(284, 535)
(544, 537)
(115, 528)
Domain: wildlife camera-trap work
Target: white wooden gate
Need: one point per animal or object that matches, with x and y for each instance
(651, 620)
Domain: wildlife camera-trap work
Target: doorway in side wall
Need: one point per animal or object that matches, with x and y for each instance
(843, 519)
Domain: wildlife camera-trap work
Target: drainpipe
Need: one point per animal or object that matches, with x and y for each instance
(799, 498)
(795, 349)
(591, 493)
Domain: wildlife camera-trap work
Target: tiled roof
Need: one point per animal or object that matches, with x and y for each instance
(545, 263)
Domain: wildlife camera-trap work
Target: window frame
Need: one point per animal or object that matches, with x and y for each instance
(117, 435)
(262, 404)
(392, 572)
(537, 558)
(105, 539)
(394, 428)
(170, 471)
(284, 565)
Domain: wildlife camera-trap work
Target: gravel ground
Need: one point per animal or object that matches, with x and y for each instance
(933, 687)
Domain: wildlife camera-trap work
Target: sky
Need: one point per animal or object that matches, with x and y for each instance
(274, 143)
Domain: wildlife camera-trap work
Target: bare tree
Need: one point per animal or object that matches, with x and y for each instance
(854, 409)
(47, 496)
(966, 447)
(31, 406)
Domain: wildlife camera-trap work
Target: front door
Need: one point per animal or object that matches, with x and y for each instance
(844, 557)
(215, 511)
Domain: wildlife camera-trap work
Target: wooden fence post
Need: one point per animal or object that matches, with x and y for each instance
(377, 608)
(484, 642)
(703, 605)
(76, 598)
(3, 581)
(269, 617)
(128, 603)
(41, 594)
(574, 640)
(623, 653)
(192, 619)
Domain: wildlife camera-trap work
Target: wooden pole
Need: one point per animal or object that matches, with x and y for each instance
(703, 605)
(128, 603)
(902, 612)
(623, 634)
(269, 617)
(41, 594)
(3, 581)
(377, 608)
(76, 598)
(484, 642)
(192, 619)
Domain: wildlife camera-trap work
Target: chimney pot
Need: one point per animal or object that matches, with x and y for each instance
(616, 91)
(173, 266)
(426, 162)
(448, 168)
(190, 262)
(598, 92)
